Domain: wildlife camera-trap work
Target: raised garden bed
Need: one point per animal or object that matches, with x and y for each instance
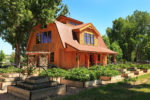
(36, 94)
(79, 83)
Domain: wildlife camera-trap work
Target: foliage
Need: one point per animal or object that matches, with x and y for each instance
(143, 66)
(115, 47)
(17, 18)
(106, 40)
(78, 74)
(10, 69)
(54, 72)
(2, 56)
(132, 34)
(110, 72)
(12, 57)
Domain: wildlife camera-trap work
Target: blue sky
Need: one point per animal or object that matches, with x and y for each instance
(100, 12)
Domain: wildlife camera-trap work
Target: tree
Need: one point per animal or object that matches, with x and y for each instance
(115, 47)
(106, 40)
(17, 18)
(131, 33)
(2, 56)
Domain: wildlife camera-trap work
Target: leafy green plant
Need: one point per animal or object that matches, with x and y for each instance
(110, 72)
(54, 72)
(10, 69)
(2, 56)
(79, 74)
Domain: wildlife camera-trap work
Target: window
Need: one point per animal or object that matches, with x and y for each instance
(52, 57)
(85, 38)
(49, 37)
(89, 38)
(92, 39)
(44, 37)
(98, 57)
(38, 38)
(74, 36)
(73, 23)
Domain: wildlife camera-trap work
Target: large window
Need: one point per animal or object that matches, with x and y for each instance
(38, 38)
(85, 38)
(52, 57)
(49, 37)
(44, 37)
(89, 38)
(92, 39)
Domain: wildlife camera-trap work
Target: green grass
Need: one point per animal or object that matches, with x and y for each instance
(118, 91)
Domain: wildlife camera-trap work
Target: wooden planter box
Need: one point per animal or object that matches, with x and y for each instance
(124, 75)
(130, 75)
(105, 78)
(136, 72)
(113, 78)
(123, 70)
(10, 75)
(36, 94)
(80, 84)
(57, 79)
(4, 85)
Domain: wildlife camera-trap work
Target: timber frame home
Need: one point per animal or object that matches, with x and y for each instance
(67, 43)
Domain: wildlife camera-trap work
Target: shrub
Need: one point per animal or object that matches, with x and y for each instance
(2, 56)
(110, 72)
(54, 72)
(79, 74)
(10, 69)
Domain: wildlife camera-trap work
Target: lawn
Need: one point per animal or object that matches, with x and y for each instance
(118, 91)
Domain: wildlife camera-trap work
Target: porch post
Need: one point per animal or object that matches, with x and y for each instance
(78, 60)
(88, 61)
(109, 58)
(95, 57)
(114, 59)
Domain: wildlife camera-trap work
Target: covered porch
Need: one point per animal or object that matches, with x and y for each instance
(88, 59)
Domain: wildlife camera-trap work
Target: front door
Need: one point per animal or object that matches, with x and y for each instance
(91, 59)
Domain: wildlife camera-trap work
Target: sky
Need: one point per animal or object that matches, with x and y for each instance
(100, 13)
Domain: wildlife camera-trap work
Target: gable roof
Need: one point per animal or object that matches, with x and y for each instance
(68, 18)
(65, 32)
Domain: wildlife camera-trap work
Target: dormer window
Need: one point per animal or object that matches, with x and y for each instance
(85, 38)
(88, 39)
(92, 39)
(74, 36)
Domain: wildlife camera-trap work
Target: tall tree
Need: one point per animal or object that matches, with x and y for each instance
(132, 33)
(106, 40)
(17, 17)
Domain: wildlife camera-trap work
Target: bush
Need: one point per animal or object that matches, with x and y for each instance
(10, 69)
(78, 74)
(110, 72)
(2, 56)
(54, 72)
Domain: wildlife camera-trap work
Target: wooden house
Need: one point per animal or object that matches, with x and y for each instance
(67, 43)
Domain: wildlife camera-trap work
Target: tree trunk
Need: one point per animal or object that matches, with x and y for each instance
(17, 55)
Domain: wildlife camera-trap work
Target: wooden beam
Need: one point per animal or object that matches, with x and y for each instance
(78, 60)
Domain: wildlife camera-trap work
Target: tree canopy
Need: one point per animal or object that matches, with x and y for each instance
(132, 33)
(17, 18)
